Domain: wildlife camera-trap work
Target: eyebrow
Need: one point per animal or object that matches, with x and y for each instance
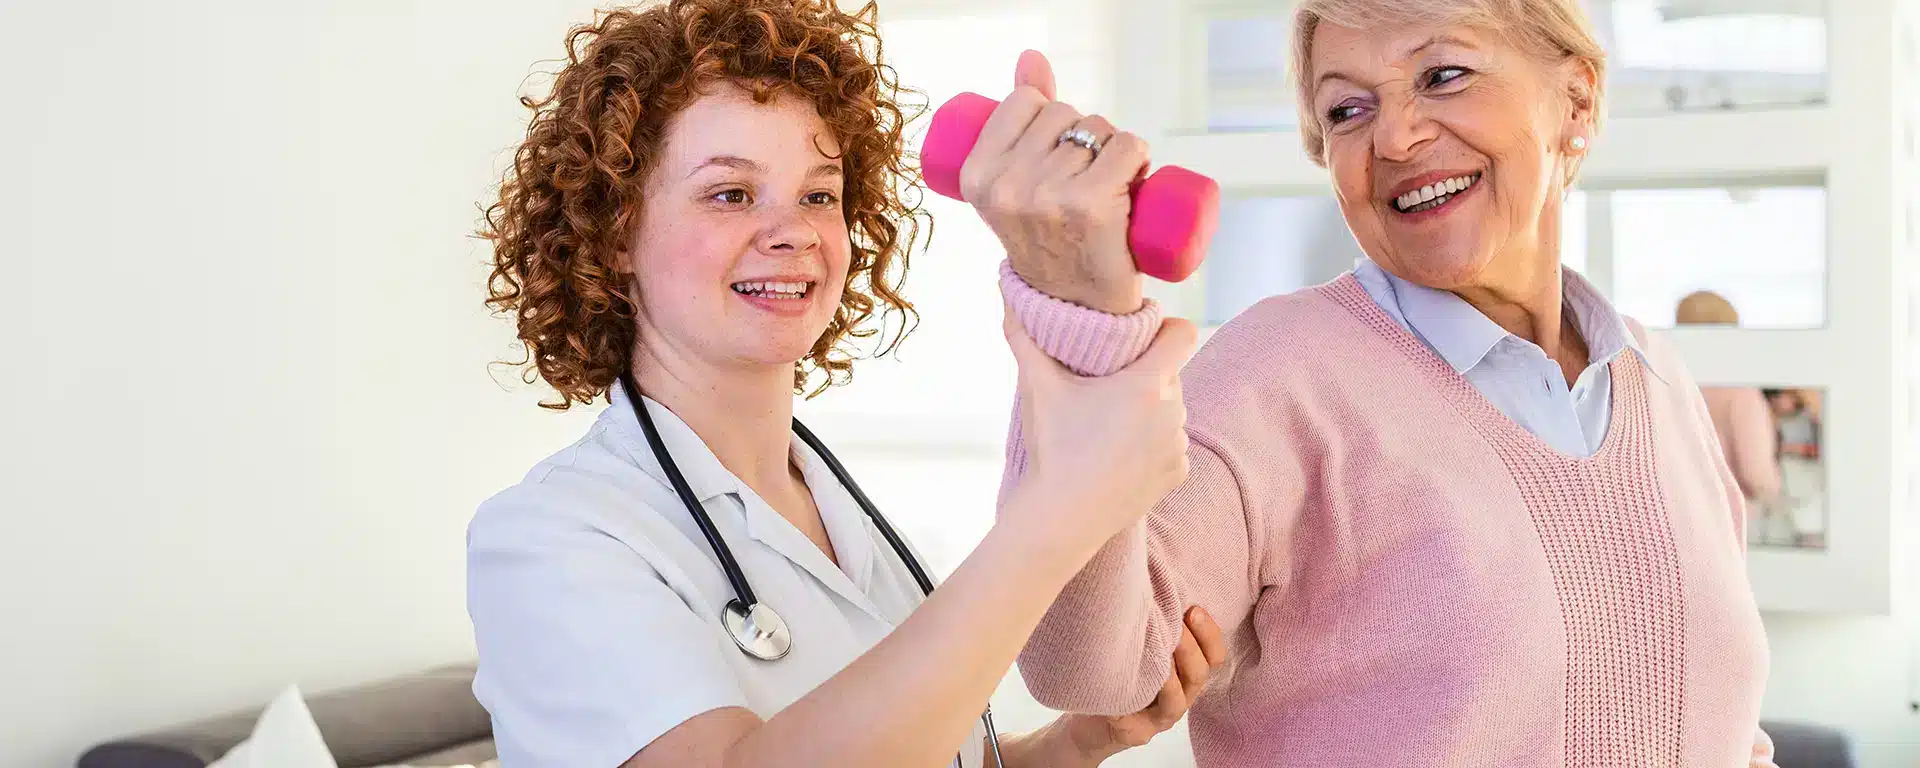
(1440, 39)
(743, 164)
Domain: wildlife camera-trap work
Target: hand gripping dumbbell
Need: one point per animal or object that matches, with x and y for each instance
(1174, 210)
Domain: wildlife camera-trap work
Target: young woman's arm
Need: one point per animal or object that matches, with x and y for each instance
(913, 698)
(1070, 741)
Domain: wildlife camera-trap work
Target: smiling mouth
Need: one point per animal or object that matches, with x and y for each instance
(1434, 195)
(773, 289)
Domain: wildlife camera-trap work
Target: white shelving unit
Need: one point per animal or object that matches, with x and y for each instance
(1859, 144)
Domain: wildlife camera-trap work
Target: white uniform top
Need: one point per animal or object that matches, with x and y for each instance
(596, 601)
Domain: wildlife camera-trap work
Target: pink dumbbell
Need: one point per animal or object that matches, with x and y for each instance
(1174, 210)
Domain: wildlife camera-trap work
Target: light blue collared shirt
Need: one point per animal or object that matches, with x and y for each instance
(1514, 374)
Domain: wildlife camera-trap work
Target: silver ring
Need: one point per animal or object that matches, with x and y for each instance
(1083, 138)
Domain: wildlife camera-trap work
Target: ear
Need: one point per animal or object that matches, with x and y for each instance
(1583, 95)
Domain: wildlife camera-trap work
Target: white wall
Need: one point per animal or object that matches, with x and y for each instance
(249, 292)
(1850, 672)
(248, 409)
(1861, 672)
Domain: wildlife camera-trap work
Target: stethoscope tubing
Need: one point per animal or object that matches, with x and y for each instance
(736, 577)
(742, 590)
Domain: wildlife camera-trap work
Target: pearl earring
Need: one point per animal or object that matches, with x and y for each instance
(1578, 143)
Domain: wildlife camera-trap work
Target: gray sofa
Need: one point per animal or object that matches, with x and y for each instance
(425, 719)
(1800, 745)
(432, 719)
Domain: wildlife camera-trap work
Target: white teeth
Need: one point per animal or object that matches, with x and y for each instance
(772, 288)
(1433, 191)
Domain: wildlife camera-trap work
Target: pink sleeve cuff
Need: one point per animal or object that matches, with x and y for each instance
(1087, 341)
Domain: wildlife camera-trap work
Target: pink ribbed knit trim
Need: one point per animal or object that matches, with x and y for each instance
(1607, 534)
(1090, 342)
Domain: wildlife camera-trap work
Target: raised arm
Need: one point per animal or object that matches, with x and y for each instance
(1062, 212)
(1102, 646)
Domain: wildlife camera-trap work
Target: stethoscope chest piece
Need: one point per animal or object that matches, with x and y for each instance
(758, 631)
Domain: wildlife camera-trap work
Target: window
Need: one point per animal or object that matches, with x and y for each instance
(1267, 246)
(1248, 88)
(1665, 56)
(1691, 55)
(1764, 250)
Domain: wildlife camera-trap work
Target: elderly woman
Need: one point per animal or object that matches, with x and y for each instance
(1451, 509)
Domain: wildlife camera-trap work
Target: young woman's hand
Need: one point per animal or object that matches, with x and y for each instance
(1083, 741)
(1101, 452)
(1201, 652)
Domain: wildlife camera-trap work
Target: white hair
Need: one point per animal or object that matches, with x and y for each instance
(1552, 31)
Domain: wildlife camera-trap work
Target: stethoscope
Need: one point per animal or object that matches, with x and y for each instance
(755, 627)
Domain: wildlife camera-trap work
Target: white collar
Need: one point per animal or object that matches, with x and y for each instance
(846, 523)
(704, 473)
(1462, 336)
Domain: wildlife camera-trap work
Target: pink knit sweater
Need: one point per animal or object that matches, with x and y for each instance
(1406, 577)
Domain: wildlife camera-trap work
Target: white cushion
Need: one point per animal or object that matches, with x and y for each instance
(284, 737)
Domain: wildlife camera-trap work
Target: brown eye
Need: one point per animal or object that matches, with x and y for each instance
(732, 197)
(823, 199)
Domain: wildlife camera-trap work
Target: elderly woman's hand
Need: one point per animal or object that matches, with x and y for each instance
(1059, 208)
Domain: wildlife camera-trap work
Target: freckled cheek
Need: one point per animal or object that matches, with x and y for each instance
(685, 262)
(836, 244)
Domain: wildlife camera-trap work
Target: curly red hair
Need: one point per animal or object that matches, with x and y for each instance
(568, 205)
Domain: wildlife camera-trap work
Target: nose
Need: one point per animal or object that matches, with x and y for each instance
(1402, 128)
(789, 232)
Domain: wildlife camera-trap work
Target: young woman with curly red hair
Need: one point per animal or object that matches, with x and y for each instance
(707, 205)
